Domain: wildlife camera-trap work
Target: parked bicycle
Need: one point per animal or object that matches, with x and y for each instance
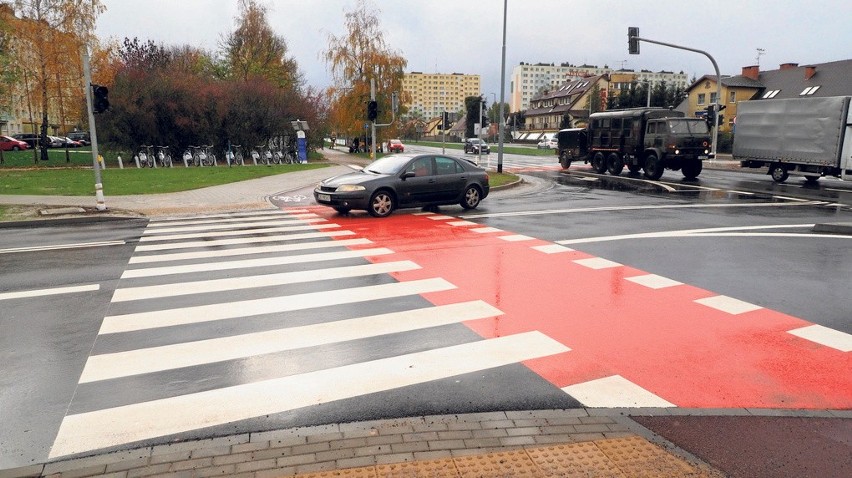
(234, 157)
(189, 157)
(144, 158)
(256, 156)
(202, 156)
(164, 157)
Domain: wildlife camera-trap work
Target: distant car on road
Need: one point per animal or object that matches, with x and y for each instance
(403, 181)
(396, 146)
(8, 143)
(548, 143)
(473, 145)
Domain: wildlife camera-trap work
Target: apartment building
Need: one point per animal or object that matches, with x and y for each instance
(432, 93)
(530, 79)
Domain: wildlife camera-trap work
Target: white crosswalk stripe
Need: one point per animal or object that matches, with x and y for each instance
(190, 279)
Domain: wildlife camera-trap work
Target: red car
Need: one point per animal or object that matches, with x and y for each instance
(396, 146)
(11, 144)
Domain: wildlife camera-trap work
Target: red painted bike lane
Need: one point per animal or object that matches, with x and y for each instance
(688, 346)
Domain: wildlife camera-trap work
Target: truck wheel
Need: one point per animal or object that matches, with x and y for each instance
(778, 173)
(634, 168)
(565, 160)
(599, 163)
(653, 167)
(692, 168)
(614, 164)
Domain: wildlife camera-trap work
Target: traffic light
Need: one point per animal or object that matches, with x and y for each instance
(633, 40)
(711, 114)
(484, 120)
(100, 99)
(372, 110)
(445, 121)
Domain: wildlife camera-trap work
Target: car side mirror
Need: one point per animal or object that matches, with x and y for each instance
(408, 174)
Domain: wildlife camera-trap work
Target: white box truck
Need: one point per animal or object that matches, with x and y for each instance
(807, 136)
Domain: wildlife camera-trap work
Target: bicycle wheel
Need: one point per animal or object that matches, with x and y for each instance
(210, 160)
(196, 160)
(167, 161)
(276, 157)
(238, 159)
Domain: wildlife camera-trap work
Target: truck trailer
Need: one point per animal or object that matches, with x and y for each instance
(648, 139)
(807, 136)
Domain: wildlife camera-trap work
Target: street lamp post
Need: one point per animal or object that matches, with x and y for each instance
(502, 94)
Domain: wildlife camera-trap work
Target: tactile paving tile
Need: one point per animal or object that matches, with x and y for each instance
(365, 472)
(515, 464)
(445, 468)
(574, 460)
(635, 456)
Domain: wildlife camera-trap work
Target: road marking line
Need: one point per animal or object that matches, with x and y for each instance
(241, 240)
(57, 247)
(680, 233)
(728, 304)
(239, 232)
(238, 220)
(636, 208)
(741, 192)
(243, 225)
(168, 357)
(180, 256)
(439, 217)
(654, 281)
(597, 263)
(156, 418)
(516, 238)
(252, 263)
(422, 213)
(483, 230)
(615, 392)
(552, 249)
(462, 223)
(825, 336)
(789, 198)
(263, 212)
(53, 291)
(270, 305)
(253, 282)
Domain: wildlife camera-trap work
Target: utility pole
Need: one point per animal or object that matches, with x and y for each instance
(96, 166)
(373, 122)
(479, 133)
(501, 127)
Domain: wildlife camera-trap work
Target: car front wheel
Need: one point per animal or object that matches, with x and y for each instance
(381, 204)
(471, 197)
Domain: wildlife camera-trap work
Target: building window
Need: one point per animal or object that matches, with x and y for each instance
(713, 98)
(770, 94)
(701, 97)
(809, 91)
(732, 97)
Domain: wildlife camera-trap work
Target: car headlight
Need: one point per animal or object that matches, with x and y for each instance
(348, 188)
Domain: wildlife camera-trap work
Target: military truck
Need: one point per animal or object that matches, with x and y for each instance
(648, 139)
(808, 136)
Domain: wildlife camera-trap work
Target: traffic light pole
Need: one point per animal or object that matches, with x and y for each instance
(718, 79)
(96, 166)
(373, 122)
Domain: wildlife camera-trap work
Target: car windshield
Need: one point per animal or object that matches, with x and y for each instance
(388, 165)
(685, 126)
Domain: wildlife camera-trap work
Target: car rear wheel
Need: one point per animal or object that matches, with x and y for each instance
(381, 204)
(471, 197)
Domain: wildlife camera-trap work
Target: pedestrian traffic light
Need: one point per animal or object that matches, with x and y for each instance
(633, 40)
(372, 110)
(100, 100)
(445, 121)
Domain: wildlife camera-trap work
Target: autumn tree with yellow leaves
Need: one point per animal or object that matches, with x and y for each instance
(46, 45)
(355, 58)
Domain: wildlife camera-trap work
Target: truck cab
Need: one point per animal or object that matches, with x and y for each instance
(676, 143)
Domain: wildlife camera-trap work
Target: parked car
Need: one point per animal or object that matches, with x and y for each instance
(548, 143)
(55, 142)
(11, 144)
(70, 143)
(396, 146)
(81, 137)
(403, 181)
(473, 145)
(31, 139)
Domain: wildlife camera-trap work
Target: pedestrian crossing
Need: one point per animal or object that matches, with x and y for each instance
(209, 308)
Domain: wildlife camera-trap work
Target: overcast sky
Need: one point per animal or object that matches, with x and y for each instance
(463, 36)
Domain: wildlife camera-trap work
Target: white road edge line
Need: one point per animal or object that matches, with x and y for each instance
(57, 247)
(44, 292)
